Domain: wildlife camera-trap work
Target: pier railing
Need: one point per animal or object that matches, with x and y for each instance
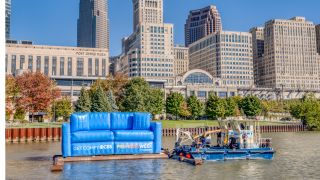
(263, 129)
(22, 135)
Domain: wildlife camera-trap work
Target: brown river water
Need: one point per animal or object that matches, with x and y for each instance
(297, 157)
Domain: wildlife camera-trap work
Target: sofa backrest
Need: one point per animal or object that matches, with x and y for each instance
(109, 121)
(121, 120)
(99, 121)
(141, 121)
(79, 122)
(90, 121)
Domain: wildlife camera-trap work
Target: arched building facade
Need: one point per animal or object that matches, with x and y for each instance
(199, 83)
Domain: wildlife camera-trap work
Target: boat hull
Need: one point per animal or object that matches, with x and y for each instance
(230, 154)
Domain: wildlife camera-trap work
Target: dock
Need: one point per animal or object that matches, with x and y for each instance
(58, 160)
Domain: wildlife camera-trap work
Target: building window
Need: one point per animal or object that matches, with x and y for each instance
(103, 67)
(89, 66)
(69, 66)
(80, 67)
(198, 78)
(46, 65)
(97, 67)
(202, 94)
(22, 60)
(192, 93)
(38, 63)
(223, 94)
(54, 65)
(61, 66)
(13, 64)
(30, 63)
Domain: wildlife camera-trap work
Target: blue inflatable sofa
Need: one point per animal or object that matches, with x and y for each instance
(103, 133)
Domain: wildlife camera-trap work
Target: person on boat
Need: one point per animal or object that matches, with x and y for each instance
(233, 143)
(245, 138)
(219, 138)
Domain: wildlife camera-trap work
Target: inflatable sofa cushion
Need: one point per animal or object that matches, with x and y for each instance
(92, 149)
(121, 120)
(99, 121)
(133, 135)
(141, 121)
(145, 147)
(79, 122)
(92, 136)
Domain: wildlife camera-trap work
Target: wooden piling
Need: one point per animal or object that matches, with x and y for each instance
(8, 135)
(36, 134)
(15, 135)
(43, 134)
(22, 135)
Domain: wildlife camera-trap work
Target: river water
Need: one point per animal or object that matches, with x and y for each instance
(297, 157)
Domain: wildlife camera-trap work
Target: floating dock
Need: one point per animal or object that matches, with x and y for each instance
(58, 160)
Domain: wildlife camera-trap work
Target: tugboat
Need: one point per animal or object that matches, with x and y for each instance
(236, 139)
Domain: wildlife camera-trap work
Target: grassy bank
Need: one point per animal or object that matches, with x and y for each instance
(200, 123)
(165, 124)
(35, 125)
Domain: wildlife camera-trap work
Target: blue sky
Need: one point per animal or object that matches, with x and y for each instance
(54, 22)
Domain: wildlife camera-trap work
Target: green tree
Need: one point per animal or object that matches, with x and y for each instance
(173, 103)
(19, 114)
(99, 101)
(251, 105)
(308, 110)
(63, 108)
(231, 107)
(155, 101)
(266, 107)
(112, 101)
(135, 95)
(138, 96)
(184, 110)
(195, 107)
(215, 107)
(84, 101)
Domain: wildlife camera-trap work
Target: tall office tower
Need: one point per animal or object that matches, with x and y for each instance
(8, 16)
(181, 59)
(290, 55)
(148, 51)
(200, 23)
(226, 55)
(258, 51)
(147, 11)
(318, 37)
(93, 24)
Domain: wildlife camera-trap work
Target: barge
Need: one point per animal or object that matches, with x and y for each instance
(236, 139)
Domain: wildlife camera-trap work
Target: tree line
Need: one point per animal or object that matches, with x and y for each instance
(34, 92)
(120, 94)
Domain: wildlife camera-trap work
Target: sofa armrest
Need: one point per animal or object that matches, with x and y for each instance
(156, 127)
(66, 140)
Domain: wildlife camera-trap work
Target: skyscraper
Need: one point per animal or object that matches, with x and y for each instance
(318, 37)
(226, 55)
(147, 11)
(148, 51)
(290, 57)
(93, 24)
(8, 15)
(200, 23)
(258, 51)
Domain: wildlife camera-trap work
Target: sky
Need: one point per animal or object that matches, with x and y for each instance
(54, 22)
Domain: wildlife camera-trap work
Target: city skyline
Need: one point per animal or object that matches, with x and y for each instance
(93, 24)
(53, 31)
